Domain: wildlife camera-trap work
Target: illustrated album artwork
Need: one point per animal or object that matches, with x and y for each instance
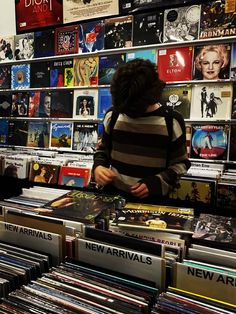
(24, 46)
(210, 141)
(211, 101)
(107, 67)
(6, 48)
(20, 76)
(181, 24)
(61, 135)
(91, 36)
(86, 71)
(67, 40)
(61, 73)
(178, 97)
(85, 137)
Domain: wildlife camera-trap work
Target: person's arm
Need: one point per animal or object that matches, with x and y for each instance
(162, 183)
(101, 163)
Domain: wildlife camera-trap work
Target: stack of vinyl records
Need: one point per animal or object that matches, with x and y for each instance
(77, 288)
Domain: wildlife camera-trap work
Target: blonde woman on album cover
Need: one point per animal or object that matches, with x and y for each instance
(211, 62)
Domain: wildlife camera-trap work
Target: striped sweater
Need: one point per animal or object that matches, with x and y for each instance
(139, 151)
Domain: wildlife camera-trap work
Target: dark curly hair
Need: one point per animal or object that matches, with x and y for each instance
(135, 86)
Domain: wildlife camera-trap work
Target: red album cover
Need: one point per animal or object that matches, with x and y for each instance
(66, 40)
(74, 176)
(32, 14)
(175, 64)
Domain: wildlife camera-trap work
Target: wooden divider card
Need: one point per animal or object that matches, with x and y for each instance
(207, 280)
(133, 263)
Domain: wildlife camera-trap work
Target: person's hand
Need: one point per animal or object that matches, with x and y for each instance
(103, 175)
(139, 190)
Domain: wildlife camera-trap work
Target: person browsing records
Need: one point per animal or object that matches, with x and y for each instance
(139, 158)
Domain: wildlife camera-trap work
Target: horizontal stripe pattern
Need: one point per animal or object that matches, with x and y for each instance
(139, 150)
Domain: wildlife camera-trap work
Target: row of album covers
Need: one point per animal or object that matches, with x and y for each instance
(208, 141)
(205, 184)
(186, 23)
(201, 102)
(175, 64)
(148, 239)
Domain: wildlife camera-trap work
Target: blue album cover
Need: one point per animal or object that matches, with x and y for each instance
(44, 43)
(38, 134)
(91, 36)
(20, 76)
(147, 54)
(61, 134)
(61, 73)
(104, 101)
(209, 141)
(5, 76)
(107, 67)
(4, 132)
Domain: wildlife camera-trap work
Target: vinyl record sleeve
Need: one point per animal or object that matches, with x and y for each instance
(3, 132)
(37, 14)
(17, 133)
(181, 24)
(107, 67)
(24, 46)
(118, 32)
(211, 101)
(175, 64)
(20, 104)
(61, 73)
(39, 74)
(38, 134)
(209, 141)
(74, 176)
(85, 104)
(43, 172)
(5, 104)
(147, 54)
(61, 135)
(104, 101)
(20, 76)
(178, 97)
(74, 11)
(6, 48)
(44, 43)
(67, 40)
(5, 76)
(91, 36)
(61, 104)
(85, 136)
(217, 19)
(86, 71)
(147, 28)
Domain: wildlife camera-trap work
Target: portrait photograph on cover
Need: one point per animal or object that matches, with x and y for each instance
(85, 104)
(211, 62)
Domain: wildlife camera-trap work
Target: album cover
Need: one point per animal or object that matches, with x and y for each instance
(18, 132)
(61, 73)
(209, 141)
(20, 76)
(5, 76)
(233, 61)
(226, 195)
(61, 104)
(118, 32)
(5, 104)
(132, 6)
(74, 11)
(194, 191)
(175, 64)
(6, 48)
(215, 228)
(182, 23)
(74, 176)
(217, 19)
(44, 43)
(86, 71)
(4, 132)
(147, 28)
(45, 104)
(108, 66)
(147, 54)
(20, 104)
(85, 136)
(211, 62)
(34, 101)
(67, 40)
(81, 206)
(61, 135)
(37, 14)
(178, 97)
(91, 36)
(38, 134)
(211, 101)
(43, 173)
(232, 147)
(188, 129)
(16, 166)
(85, 104)
(24, 46)
(39, 74)
(104, 101)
